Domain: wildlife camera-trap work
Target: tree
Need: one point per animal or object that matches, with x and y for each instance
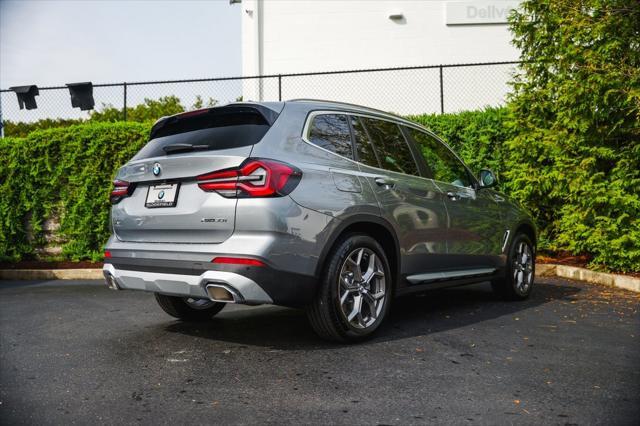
(576, 107)
(150, 110)
(199, 103)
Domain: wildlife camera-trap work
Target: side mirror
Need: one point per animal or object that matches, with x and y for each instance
(487, 179)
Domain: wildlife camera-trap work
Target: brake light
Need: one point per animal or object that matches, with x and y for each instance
(237, 261)
(256, 177)
(193, 113)
(107, 254)
(120, 190)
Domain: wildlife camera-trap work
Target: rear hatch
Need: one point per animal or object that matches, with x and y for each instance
(160, 200)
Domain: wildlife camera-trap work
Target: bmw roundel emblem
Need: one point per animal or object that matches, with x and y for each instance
(156, 169)
(160, 195)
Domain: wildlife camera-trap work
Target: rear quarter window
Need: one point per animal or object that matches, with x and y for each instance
(213, 129)
(331, 132)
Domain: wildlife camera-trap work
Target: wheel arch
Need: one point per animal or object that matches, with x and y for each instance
(374, 226)
(529, 230)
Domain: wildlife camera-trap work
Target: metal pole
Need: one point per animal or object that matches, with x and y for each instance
(1, 122)
(259, 18)
(124, 110)
(441, 93)
(280, 87)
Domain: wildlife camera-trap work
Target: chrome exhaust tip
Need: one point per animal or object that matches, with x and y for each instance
(223, 293)
(111, 281)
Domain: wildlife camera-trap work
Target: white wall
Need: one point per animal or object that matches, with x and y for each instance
(289, 36)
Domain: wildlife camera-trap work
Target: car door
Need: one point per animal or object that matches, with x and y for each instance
(411, 203)
(475, 229)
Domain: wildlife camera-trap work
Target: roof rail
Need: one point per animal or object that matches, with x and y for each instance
(378, 111)
(345, 104)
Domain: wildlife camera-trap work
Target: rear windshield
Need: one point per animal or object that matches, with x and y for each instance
(206, 130)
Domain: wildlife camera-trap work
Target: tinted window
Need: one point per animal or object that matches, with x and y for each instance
(217, 128)
(366, 154)
(331, 132)
(392, 149)
(444, 165)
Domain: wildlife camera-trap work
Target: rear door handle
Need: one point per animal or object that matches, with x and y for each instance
(386, 182)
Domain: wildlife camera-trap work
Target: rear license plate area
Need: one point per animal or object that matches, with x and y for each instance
(162, 195)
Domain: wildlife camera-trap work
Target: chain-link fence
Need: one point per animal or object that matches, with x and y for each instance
(409, 90)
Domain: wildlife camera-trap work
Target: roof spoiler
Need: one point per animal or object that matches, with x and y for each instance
(267, 113)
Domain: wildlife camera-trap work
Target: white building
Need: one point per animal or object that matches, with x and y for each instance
(299, 36)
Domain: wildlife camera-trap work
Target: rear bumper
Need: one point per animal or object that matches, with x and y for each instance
(246, 284)
(246, 290)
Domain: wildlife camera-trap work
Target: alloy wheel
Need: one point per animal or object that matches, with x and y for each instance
(523, 267)
(362, 288)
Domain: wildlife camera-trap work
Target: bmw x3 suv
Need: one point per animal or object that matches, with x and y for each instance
(332, 207)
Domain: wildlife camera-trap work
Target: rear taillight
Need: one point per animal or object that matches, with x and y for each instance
(256, 177)
(120, 190)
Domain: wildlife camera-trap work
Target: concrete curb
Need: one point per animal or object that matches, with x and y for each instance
(542, 270)
(581, 274)
(545, 270)
(51, 274)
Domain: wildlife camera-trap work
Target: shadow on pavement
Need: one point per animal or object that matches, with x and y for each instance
(288, 329)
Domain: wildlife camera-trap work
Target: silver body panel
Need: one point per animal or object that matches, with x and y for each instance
(435, 235)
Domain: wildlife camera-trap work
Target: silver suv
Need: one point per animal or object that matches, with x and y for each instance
(332, 207)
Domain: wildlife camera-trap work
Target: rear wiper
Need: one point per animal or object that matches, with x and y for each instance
(182, 147)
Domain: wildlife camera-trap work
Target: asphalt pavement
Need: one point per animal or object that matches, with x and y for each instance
(78, 353)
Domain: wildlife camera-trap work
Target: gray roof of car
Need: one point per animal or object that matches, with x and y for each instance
(344, 106)
(313, 104)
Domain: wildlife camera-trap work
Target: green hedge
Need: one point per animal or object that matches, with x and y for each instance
(148, 111)
(21, 129)
(67, 171)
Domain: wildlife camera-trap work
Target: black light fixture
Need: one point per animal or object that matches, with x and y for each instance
(81, 95)
(26, 96)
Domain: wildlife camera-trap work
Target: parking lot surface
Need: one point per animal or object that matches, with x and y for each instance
(76, 352)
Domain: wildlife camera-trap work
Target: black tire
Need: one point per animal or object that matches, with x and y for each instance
(326, 312)
(510, 287)
(180, 308)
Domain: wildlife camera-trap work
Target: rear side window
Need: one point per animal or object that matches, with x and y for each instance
(331, 132)
(366, 154)
(206, 130)
(392, 148)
